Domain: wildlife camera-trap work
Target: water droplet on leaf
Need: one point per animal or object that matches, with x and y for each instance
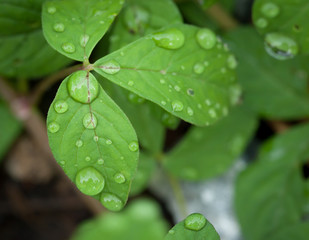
(61, 106)
(111, 201)
(68, 47)
(79, 143)
(231, 62)
(261, 23)
(96, 138)
(89, 181)
(206, 38)
(87, 159)
(59, 27)
(90, 121)
(84, 40)
(51, 10)
(136, 18)
(190, 111)
(108, 142)
(119, 178)
(270, 10)
(195, 222)
(110, 67)
(177, 106)
(53, 127)
(190, 92)
(133, 146)
(169, 39)
(100, 161)
(198, 68)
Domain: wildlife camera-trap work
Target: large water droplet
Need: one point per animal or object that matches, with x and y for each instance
(280, 46)
(206, 38)
(89, 181)
(136, 18)
(231, 62)
(111, 201)
(270, 10)
(261, 23)
(90, 121)
(133, 146)
(190, 92)
(195, 222)
(68, 47)
(82, 87)
(110, 67)
(170, 39)
(198, 68)
(119, 178)
(190, 111)
(59, 27)
(53, 127)
(177, 106)
(51, 10)
(84, 40)
(79, 143)
(61, 106)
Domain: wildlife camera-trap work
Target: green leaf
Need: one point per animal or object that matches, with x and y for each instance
(282, 85)
(194, 227)
(140, 220)
(210, 151)
(140, 17)
(270, 193)
(206, 3)
(284, 25)
(146, 167)
(298, 232)
(10, 128)
(74, 27)
(92, 139)
(184, 69)
(142, 114)
(24, 53)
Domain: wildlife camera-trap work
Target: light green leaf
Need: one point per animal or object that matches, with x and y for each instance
(140, 17)
(74, 27)
(9, 127)
(139, 221)
(24, 53)
(92, 140)
(194, 227)
(296, 232)
(210, 151)
(276, 90)
(270, 194)
(184, 69)
(146, 167)
(142, 114)
(284, 24)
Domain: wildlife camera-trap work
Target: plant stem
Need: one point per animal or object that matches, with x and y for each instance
(51, 80)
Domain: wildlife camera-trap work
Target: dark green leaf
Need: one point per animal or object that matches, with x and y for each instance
(140, 221)
(209, 151)
(276, 90)
(284, 23)
(270, 193)
(184, 69)
(74, 27)
(10, 128)
(296, 232)
(91, 138)
(206, 3)
(194, 227)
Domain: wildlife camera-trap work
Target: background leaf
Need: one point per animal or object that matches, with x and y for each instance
(286, 17)
(282, 85)
(74, 27)
(270, 193)
(176, 79)
(24, 53)
(195, 232)
(95, 134)
(209, 151)
(298, 232)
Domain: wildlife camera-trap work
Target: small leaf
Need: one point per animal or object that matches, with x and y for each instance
(194, 227)
(140, 220)
(187, 81)
(209, 151)
(92, 139)
(270, 193)
(74, 27)
(10, 128)
(284, 25)
(283, 85)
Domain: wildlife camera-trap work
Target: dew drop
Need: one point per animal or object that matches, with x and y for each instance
(198, 68)
(53, 127)
(62, 162)
(235, 93)
(84, 40)
(270, 10)
(133, 146)
(119, 178)
(110, 67)
(177, 88)
(87, 159)
(206, 38)
(90, 121)
(195, 222)
(190, 92)
(212, 113)
(68, 47)
(207, 102)
(111, 201)
(100, 161)
(89, 181)
(172, 231)
(136, 18)
(82, 87)
(162, 81)
(169, 39)
(177, 106)
(261, 23)
(109, 142)
(51, 10)
(163, 103)
(280, 46)
(231, 62)
(134, 98)
(61, 106)
(130, 83)
(59, 27)
(79, 143)
(190, 111)
(96, 138)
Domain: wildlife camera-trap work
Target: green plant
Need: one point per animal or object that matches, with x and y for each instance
(107, 123)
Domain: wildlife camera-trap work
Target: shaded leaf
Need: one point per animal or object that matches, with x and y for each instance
(187, 81)
(209, 151)
(74, 27)
(298, 232)
(88, 130)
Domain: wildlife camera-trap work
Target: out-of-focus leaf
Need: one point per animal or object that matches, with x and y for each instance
(276, 90)
(270, 194)
(139, 221)
(206, 3)
(209, 151)
(296, 232)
